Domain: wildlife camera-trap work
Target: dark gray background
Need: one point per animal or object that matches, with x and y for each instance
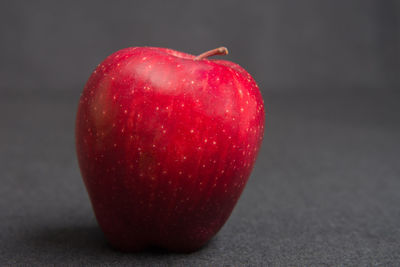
(326, 187)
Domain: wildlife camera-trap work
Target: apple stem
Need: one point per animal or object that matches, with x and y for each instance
(217, 51)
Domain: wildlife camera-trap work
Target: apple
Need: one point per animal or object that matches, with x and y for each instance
(166, 142)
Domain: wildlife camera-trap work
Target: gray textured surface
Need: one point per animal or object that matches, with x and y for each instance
(325, 190)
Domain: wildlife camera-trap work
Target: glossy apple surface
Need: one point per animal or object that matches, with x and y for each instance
(166, 143)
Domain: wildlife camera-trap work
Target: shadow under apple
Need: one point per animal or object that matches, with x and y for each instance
(87, 244)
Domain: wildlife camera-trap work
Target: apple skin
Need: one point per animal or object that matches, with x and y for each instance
(166, 144)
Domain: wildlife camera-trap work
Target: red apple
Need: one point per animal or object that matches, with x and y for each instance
(166, 142)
